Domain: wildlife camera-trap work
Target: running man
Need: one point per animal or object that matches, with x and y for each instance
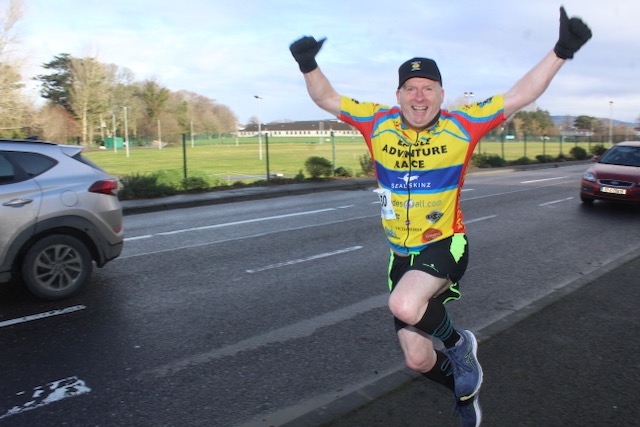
(421, 152)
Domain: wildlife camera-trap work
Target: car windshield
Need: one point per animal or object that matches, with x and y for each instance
(623, 156)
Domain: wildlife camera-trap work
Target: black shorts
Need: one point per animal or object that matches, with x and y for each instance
(447, 259)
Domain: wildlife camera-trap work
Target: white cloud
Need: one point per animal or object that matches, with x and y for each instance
(230, 51)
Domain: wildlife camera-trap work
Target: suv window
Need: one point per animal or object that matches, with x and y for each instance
(32, 163)
(82, 159)
(6, 170)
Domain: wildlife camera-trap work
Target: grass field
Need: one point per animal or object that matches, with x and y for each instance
(514, 150)
(228, 160)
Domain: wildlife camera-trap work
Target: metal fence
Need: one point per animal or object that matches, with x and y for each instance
(229, 158)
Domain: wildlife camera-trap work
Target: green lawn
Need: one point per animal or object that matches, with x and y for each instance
(228, 159)
(224, 159)
(513, 150)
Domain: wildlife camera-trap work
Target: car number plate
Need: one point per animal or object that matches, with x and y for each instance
(613, 190)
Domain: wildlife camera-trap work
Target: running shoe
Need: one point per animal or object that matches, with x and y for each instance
(469, 412)
(467, 372)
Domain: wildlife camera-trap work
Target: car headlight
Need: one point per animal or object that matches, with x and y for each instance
(588, 176)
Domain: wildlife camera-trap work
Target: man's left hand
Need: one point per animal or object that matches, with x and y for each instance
(573, 35)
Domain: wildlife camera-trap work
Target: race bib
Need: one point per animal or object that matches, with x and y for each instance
(386, 210)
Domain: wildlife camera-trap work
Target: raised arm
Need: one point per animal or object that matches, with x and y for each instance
(573, 35)
(320, 90)
(533, 84)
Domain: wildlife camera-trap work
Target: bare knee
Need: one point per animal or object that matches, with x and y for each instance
(405, 309)
(410, 298)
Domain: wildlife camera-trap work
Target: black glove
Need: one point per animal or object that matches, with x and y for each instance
(304, 51)
(573, 34)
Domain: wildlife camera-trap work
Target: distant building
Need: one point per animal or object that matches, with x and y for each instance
(318, 128)
(573, 132)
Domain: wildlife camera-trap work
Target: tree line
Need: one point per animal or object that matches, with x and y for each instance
(87, 100)
(96, 101)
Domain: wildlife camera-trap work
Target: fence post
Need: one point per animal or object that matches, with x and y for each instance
(333, 143)
(184, 154)
(560, 146)
(266, 144)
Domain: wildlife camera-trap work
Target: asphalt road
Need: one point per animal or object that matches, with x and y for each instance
(569, 359)
(269, 306)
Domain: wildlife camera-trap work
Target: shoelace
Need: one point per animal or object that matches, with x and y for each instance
(457, 359)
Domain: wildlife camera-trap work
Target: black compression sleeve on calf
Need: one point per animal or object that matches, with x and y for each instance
(442, 372)
(437, 323)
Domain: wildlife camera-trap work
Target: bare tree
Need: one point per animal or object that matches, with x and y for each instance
(57, 124)
(154, 98)
(15, 109)
(8, 19)
(89, 94)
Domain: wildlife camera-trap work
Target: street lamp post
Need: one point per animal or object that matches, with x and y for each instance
(259, 127)
(192, 142)
(610, 122)
(467, 95)
(126, 131)
(115, 133)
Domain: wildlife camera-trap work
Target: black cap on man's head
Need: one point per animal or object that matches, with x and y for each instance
(418, 67)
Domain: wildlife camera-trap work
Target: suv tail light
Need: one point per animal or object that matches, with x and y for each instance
(105, 186)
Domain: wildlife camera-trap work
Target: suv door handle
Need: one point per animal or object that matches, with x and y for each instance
(17, 202)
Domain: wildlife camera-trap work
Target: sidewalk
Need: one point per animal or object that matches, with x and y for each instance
(181, 201)
(569, 360)
(131, 207)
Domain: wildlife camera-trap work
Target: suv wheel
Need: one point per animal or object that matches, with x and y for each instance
(56, 267)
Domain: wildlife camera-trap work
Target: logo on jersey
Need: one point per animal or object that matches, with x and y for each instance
(389, 232)
(431, 234)
(407, 179)
(410, 181)
(434, 216)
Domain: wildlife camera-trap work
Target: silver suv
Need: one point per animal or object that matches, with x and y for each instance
(59, 212)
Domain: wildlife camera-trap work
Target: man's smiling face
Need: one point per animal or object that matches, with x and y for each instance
(420, 100)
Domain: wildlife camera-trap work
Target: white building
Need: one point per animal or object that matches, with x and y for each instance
(321, 128)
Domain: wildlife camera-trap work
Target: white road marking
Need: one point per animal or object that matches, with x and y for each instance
(297, 261)
(246, 221)
(504, 193)
(146, 236)
(544, 179)
(555, 201)
(239, 238)
(41, 315)
(301, 329)
(229, 224)
(482, 218)
(49, 393)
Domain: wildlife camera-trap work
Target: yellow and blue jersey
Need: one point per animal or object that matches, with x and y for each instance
(420, 174)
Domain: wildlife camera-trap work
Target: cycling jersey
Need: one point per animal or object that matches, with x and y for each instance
(420, 174)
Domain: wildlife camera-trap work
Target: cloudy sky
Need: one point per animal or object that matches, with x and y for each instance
(230, 50)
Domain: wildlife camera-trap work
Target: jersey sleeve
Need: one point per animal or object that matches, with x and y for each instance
(480, 118)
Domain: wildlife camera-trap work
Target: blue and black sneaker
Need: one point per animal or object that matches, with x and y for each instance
(469, 412)
(467, 372)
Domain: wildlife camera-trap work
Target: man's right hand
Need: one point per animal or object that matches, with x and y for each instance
(304, 51)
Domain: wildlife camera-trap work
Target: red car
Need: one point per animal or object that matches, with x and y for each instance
(615, 176)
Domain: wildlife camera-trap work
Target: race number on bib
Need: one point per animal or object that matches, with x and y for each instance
(386, 209)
